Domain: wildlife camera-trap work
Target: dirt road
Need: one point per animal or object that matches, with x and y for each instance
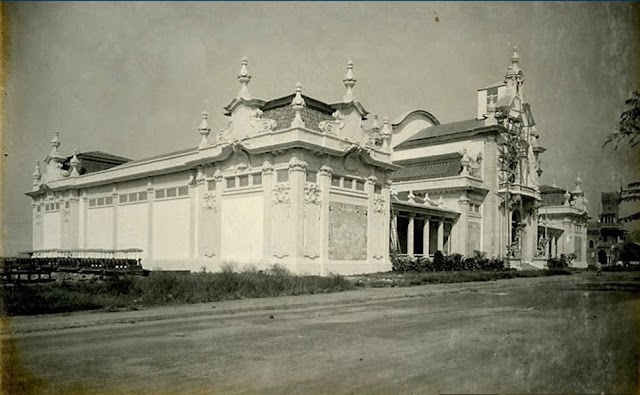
(574, 334)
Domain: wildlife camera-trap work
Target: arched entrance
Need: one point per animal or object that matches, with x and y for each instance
(602, 257)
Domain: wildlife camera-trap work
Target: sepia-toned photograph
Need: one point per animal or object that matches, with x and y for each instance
(315, 197)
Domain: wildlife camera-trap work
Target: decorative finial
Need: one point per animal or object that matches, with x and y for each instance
(37, 174)
(386, 128)
(55, 143)
(578, 183)
(75, 164)
(349, 82)
(514, 70)
(376, 123)
(554, 183)
(204, 130)
(244, 77)
(298, 103)
(567, 196)
(440, 201)
(411, 197)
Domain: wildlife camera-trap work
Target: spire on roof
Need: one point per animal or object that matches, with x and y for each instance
(349, 82)
(386, 133)
(244, 77)
(204, 130)
(75, 164)
(55, 143)
(578, 183)
(37, 174)
(298, 104)
(513, 68)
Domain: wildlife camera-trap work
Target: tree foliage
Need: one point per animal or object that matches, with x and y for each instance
(629, 125)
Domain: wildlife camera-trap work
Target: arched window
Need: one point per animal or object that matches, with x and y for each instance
(590, 243)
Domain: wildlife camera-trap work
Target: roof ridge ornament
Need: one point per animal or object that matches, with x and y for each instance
(349, 82)
(55, 143)
(75, 164)
(37, 175)
(244, 77)
(204, 130)
(298, 104)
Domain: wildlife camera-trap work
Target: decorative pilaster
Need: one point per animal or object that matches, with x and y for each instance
(150, 199)
(441, 237)
(372, 229)
(324, 180)
(298, 104)
(267, 224)
(114, 199)
(297, 168)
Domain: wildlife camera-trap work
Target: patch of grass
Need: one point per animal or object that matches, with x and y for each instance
(164, 288)
(409, 279)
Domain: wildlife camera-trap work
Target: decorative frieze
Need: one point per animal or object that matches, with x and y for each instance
(312, 194)
(262, 125)
(210, 201)
(333, 126)
(66, 215)
(280, 194)
(378, 204)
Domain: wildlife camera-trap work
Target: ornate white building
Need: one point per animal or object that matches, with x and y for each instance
(302, 183)
(292, 181)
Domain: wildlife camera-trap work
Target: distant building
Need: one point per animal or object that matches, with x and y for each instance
(606, 235)
(302, 183)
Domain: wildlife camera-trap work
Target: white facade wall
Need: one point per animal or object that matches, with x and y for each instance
(52, 237)
(132, 226)
(171, 228)
(242, 227)
(100, 227)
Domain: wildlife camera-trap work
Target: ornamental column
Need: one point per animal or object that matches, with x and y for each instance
(441, 236)
(150, 198)
(425, 237)
(410, 234)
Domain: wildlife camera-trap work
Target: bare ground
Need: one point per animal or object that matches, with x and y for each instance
(574, 334)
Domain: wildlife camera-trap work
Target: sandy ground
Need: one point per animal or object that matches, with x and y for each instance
(573, 334)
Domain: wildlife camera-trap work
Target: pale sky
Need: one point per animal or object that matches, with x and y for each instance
(132, 78)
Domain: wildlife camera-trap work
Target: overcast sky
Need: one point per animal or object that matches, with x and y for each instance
(132, 78)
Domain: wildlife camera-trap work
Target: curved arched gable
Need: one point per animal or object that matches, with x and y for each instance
(411, 123)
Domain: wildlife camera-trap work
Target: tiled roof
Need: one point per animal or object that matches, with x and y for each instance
(434, 167)
(444, 130)
(312, 114)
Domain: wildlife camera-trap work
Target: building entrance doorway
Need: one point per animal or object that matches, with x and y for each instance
(602, 257)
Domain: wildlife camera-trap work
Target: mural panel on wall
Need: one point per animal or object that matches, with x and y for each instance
(347, 231)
